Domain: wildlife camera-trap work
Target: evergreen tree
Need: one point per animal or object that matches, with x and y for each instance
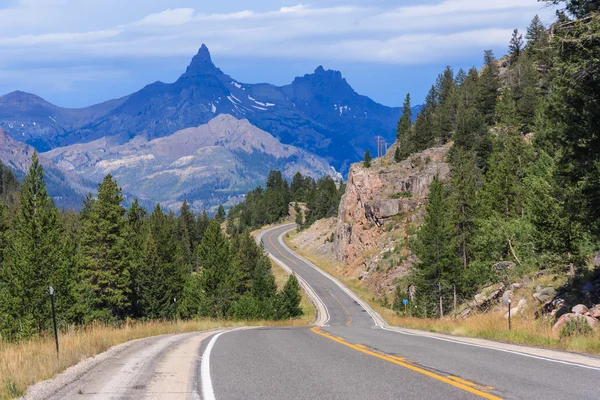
(289, 299)
(218, 278)
(399, 296)
(105, 255)
(367, 161)
(515, 47)
(489, 86)
(33, 258)
(578, 8)
(537, 35)
(465, 181)
(398, 155)
(405, 121)
(503, 188)
(570, 130)
(439, 265)
(221, 214)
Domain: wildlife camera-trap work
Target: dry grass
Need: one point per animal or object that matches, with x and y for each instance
(24, 363)
(526, 330)
(310, 312)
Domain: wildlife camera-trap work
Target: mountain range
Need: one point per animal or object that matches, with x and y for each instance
(207, 165)
(319, 116)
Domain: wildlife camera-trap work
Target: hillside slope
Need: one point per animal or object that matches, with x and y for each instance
(207, 165)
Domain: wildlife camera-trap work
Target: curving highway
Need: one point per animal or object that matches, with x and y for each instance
(349, 353)
(352, 354)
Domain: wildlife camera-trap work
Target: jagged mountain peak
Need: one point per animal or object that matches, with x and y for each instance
(201, 64)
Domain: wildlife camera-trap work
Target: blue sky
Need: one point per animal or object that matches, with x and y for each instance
(80, 52)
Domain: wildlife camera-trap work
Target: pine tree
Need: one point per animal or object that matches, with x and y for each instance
(33, 258)
(445, 111)
(405, 121)
(398, 157)
(218, 278)
(489, 86)
(290, 299)
(571, 123)
(367, 161)
(399, 296)
(515, 48)
(578, 8)
(439, 265)
(465, 181)
(221, 214)
(503, 189)
(105, 255)
(537, 35)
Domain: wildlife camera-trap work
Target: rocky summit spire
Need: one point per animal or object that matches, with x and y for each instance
(201, 64)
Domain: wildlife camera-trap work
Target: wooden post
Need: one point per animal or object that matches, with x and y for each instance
(441, 302)
(406, 233)
(454, 303)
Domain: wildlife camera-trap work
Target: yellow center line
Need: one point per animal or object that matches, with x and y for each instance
(279, 251)
(397, 361)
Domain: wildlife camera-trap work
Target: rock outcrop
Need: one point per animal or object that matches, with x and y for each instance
(377, 194)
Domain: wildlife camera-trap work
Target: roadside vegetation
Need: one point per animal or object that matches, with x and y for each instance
(527, 329)
(108, 264)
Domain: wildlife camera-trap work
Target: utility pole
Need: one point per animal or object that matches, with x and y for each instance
(54, 318)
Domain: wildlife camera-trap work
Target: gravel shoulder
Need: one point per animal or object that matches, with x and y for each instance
(156, 367)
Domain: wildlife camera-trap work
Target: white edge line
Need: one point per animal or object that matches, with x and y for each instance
(377, 319)
(208, 392)
(400, 331)
(380, 322)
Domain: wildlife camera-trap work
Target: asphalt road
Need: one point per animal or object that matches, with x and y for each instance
(354, 355)
(349, 353)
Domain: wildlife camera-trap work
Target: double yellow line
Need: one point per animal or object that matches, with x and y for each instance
(450, 380)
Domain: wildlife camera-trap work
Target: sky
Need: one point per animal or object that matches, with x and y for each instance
(75, 53)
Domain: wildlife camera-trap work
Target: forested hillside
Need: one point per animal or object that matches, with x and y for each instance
(266, 206)
(108, 263)
(525, 162)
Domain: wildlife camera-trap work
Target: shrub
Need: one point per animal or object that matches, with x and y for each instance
(577, 326)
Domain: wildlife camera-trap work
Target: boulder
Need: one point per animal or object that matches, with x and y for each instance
(579, 309)
(489, 293)
(504, 265)
(596, 260)
(591, 321)
(595, 312)
(513, 311)
(569, 316)
(562, 321)
(506, 296)
(522, 304)
(545, 295)
(362, 275)
(515, 286)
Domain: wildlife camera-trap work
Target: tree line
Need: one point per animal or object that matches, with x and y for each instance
(266, 206)
(107, 263)
(525, 162)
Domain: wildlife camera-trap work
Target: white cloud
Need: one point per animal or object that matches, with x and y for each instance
(177, 16)
(61, 30)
